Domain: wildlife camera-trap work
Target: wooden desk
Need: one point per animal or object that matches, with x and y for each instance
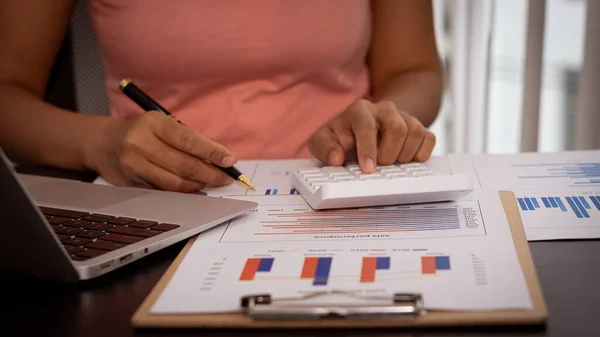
(569, 272)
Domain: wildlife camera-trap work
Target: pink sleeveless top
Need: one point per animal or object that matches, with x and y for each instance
(259, 76)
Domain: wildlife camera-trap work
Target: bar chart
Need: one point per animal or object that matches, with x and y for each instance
(573, 213)
(580, 206)
(323, 270)
(316, 269)
(432, 264)
(276, 191)
(437, 270)
(255, 265)
(370, 265)
(364, 220)
(538, 171)
(581, 173)
(298, 222)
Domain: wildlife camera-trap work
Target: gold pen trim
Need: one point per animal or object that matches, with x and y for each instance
(124, 83)
(246, 182)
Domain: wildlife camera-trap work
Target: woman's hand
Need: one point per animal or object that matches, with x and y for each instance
(373, 134)
(154, 151)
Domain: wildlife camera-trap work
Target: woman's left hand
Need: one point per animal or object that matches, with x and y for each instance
(374, 134)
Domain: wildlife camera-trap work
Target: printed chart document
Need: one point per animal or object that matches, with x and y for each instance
(458, 255)
(291, 219)
(558, 193)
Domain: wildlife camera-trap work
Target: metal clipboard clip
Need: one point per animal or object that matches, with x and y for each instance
(267, 307)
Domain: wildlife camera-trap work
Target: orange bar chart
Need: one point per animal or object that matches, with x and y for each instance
(367, 272)
(370, 265)
(431, 264)
(309, 268)
(254, 265)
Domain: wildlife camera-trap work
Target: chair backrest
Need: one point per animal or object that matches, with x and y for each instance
(88, 70)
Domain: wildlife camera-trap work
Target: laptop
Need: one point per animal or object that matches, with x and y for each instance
(71, 231)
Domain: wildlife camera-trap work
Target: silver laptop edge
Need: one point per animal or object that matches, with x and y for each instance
(33, 248)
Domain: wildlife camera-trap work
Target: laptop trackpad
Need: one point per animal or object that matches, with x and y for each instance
(82, 195)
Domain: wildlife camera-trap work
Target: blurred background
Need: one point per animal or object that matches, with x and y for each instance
(514, 72)
(522, 75)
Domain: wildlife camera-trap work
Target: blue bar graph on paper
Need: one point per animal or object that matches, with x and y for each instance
(560, 204)
(382, 263)
(322, 272)
(582, 210)
(265, 264)
(574, 207)
(596, 201)
(585, 173)
(584, 203)
(582, 207)
(546, 202)
(529, 204)
(522, 204)
(442, 262)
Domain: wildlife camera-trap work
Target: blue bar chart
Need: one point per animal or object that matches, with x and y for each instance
(579, 205)
(582, 173)
(567, 213)
(536, 170)
(274, 191)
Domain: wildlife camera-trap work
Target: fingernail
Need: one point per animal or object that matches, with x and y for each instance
(369, 165)
(228, 161)
(332, 157)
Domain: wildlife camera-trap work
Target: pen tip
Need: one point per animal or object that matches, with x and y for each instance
(246, 182)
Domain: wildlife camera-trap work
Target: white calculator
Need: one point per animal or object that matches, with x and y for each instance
(346, 186)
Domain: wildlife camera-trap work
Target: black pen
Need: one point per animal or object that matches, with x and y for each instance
(148, 104)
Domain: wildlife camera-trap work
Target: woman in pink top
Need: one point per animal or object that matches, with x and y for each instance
(250, 79)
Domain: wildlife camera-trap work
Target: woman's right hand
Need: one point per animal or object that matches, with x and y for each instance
(154, 151)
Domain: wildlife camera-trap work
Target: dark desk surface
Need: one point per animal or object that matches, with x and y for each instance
(569, 272)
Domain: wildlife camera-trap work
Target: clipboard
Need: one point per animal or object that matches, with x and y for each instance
(404, 310)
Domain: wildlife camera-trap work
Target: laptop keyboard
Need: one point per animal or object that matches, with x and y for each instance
(88, 235)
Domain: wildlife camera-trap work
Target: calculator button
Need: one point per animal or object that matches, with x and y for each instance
(344, 178)
(335, 170)
(409, 165)
(305, 171)
(370, 177)
(316, 184)
(396, 175)
(416, 169)
(316, 179)
(313, 175)
(391, 170)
